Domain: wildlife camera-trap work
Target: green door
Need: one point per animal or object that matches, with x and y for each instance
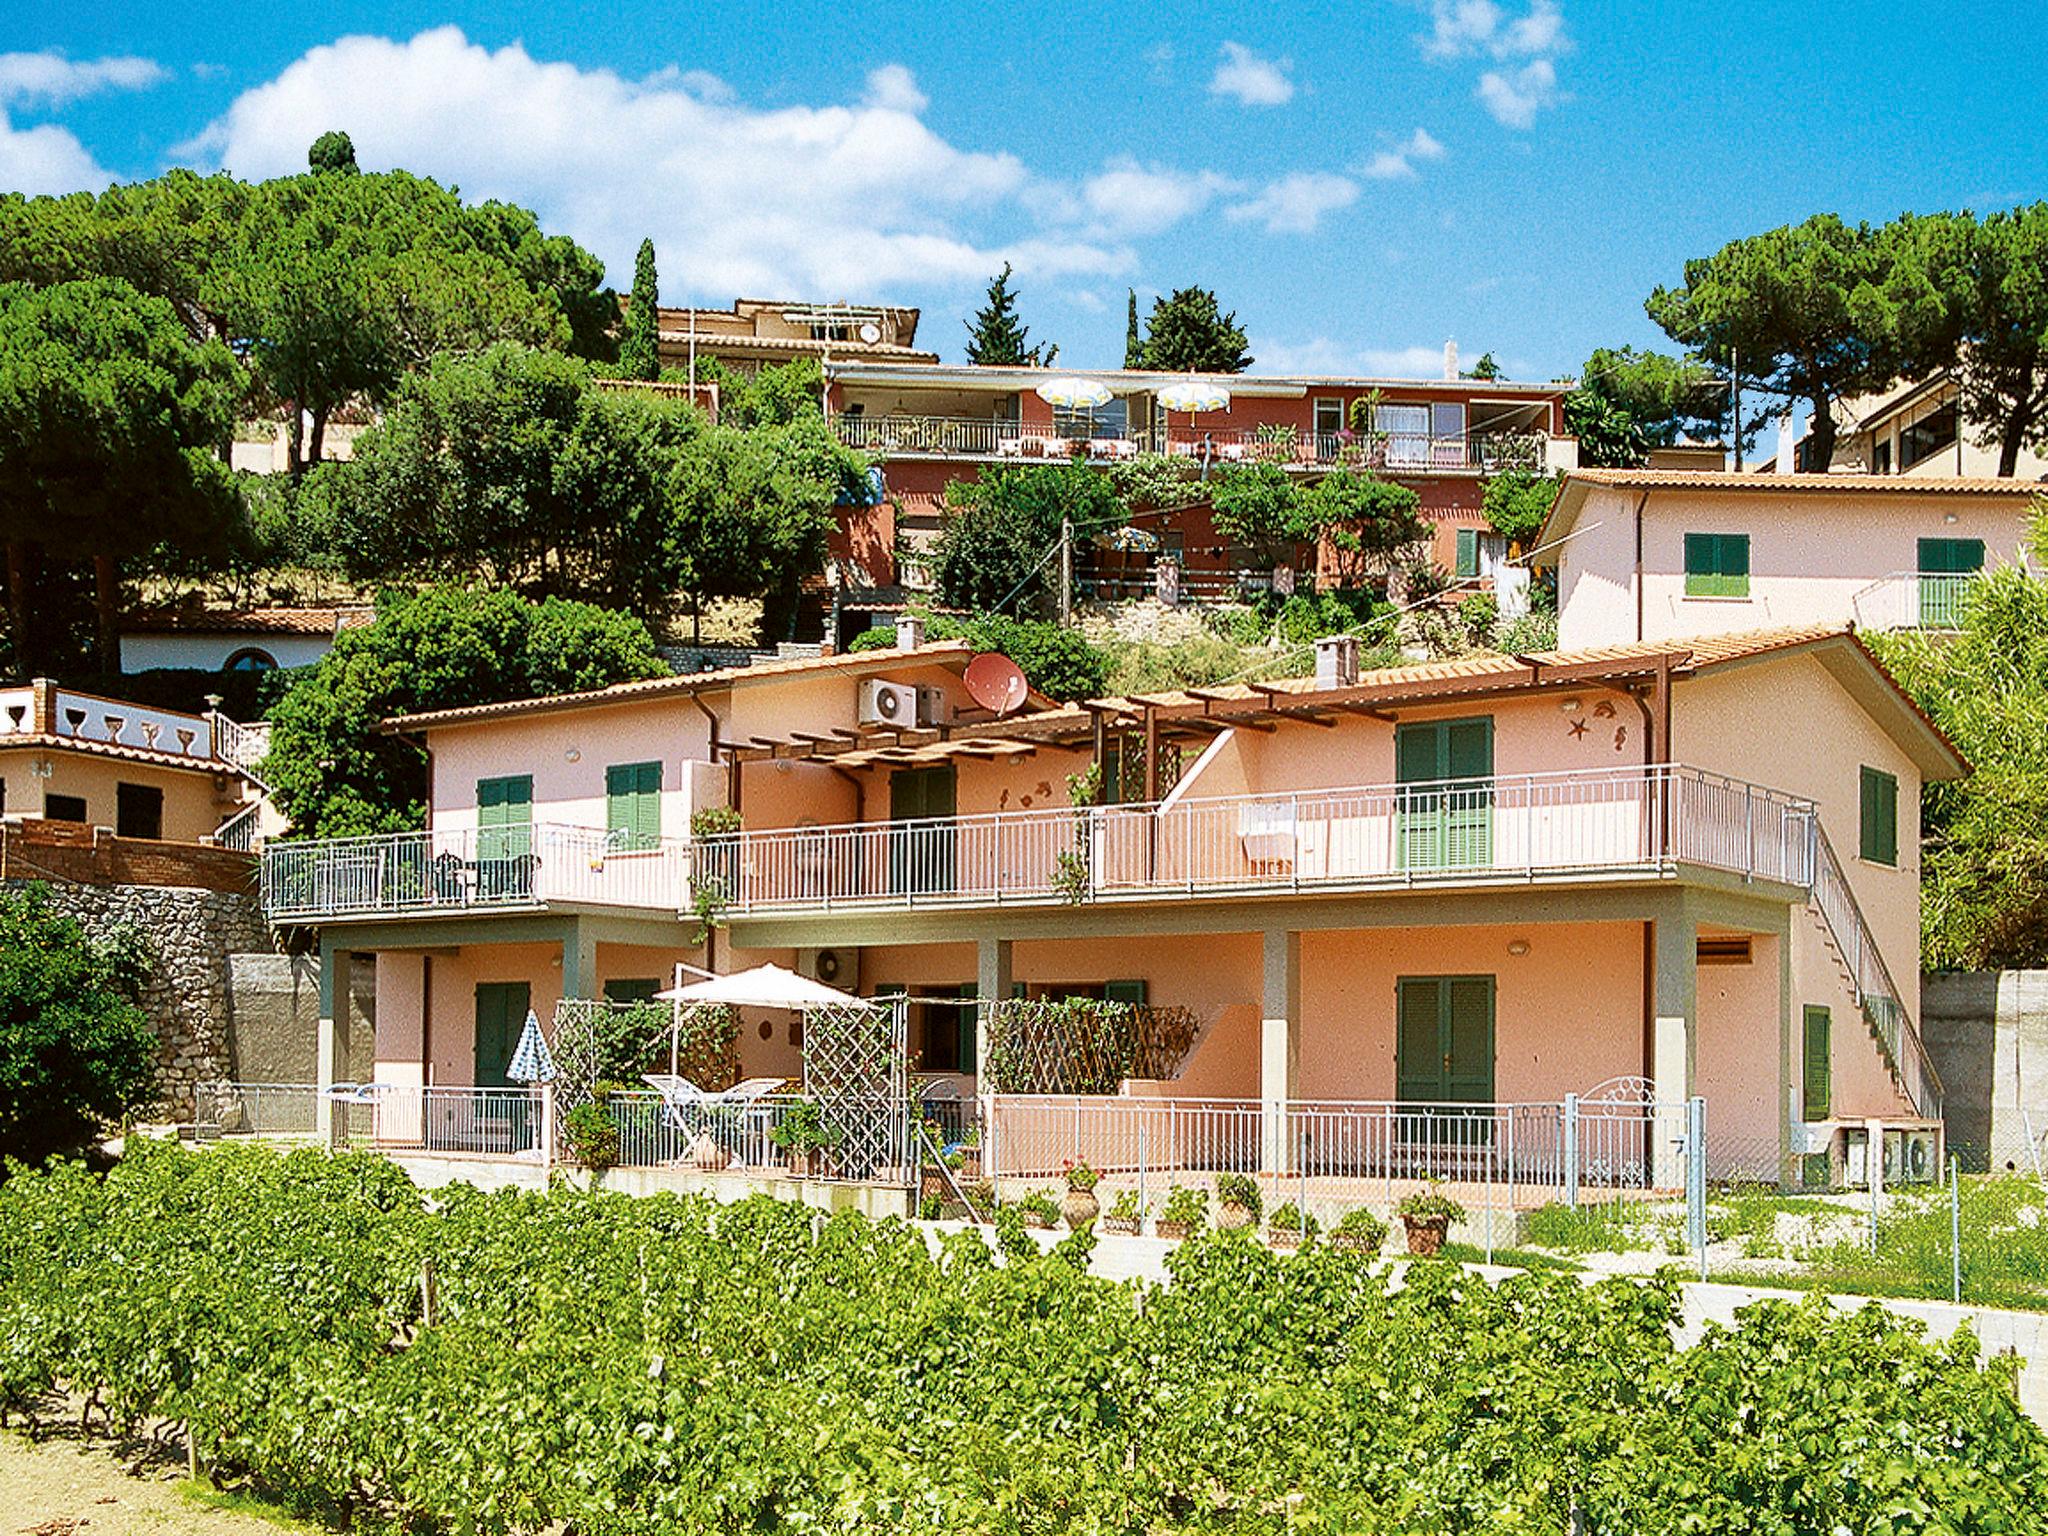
(632, 805)
(1445, 802)
(921, 854)
(504, 838)
(1946, 566)
(1816, 1062)
(500, 1015)
(1444, 1041)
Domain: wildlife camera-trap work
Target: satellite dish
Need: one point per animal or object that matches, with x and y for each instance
(996, 683)
(871, 333)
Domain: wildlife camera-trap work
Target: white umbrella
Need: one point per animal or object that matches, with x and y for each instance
(1074, 393)
(531, 1060)
(1194, 395)
(765, 986)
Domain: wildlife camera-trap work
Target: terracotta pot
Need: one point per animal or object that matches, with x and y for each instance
(800, 1164)
(1426, 1234)
(1080, 1208)
(1234, 1217)
(1172, 1231)
(1125, 1226)
(707, 1155)
(1283, 1237)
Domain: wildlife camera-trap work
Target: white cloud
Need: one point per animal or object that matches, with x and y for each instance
(1296, 203)
(50, 79)
(47, 159)
(1524, 48)
(893, 88)
(1399, 164)
(1128, 198)
(1250, 80)
(1514, 97)
(829, 200)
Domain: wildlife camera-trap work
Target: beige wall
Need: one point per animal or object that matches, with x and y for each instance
(1810, 555)
(194, 805)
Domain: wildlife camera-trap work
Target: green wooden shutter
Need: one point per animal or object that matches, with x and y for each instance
(1717, 565)
(1468, 552)
(632, 794)
(1878, 839)
(1131, 991)
(1945, 567)
(1468, 1039)
(1817, 1067)
(500, 1015)
(504, 817)
(1418, 1053)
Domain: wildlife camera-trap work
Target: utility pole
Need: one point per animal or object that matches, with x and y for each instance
(1066, 568)
(1735, 403)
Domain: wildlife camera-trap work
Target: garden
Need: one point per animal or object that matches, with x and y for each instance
(523, 1362)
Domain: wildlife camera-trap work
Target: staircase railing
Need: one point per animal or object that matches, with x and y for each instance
(1876, 993)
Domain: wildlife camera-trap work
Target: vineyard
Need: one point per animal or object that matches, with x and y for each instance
(516, 1363)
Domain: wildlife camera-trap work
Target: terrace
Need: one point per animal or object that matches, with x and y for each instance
(1913, 600)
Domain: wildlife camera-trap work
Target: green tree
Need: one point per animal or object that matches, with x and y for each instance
(1259, 505)
(110, 422)
(1485, 368)
(337, 774)
(640, 331)
(1516, 501)
(1134, 344)
(999, 548)
(76, 1053)
(1809, 312)
(1629, 402)
(333, 151)
(1058, 661)
(996, 338)
(1187, 332)
(1373, 521)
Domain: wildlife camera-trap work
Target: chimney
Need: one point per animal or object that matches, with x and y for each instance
(1451, 358)
(909, 631)
(1788, 446)
(43, 706)
(1337, 661)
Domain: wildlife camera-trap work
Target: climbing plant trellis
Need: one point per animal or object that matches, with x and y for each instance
(597, 1040)
(1082, 1044)
(857, 1068)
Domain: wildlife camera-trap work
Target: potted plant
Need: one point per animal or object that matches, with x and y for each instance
(1428, 1215)
(803, 1135)
(1359, 1231)
(1080, 1207)
(1126, 1214)
(1238, 1194)
(1185, 1212)
(591, 1137)
(1290, 1226)
(970, 1154)
(1040, 1210)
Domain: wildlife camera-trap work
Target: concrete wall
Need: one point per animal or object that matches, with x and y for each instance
(1987, 1032)
(196, 801)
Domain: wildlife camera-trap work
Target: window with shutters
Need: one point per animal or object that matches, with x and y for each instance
(1468, 554)
(1445, 799)
(632, 802)
(1817, 1065)
(1879, 841)
(1717, 565)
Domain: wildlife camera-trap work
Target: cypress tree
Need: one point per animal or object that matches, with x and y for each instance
(639, 338)
(1134, 344)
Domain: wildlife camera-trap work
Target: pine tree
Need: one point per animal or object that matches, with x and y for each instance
(995, 339)
(639, 339)
(1189, 333)
(333, 151)
(1134, 344)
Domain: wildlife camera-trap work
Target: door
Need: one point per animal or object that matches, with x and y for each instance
(1946, 566)
(138, 811)
(1443, 1054)
(1444, 803)
(921, 854)
(504, 839)
(498, 1122)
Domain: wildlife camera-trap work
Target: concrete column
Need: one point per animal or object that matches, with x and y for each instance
(1674, 1033)
(1279, 1044)
(330, 1050)
(1788, 1103)
(994, 978)
(579, 961)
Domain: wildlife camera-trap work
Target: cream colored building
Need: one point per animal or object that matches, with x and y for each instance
(1917, 428)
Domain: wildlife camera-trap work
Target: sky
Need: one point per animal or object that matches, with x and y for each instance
(1359, 183)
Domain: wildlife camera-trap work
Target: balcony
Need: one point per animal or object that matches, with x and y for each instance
(464, 870)
(1627, 821)
(1913, 600)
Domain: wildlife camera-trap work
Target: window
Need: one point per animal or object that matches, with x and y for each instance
(1929, 435)
(138, 811)
(1879, 841)
(64, 807)
(1329, 426)
(633, 989)
(250, 659)
(632, 805)
(504, 838)
(1406, 429)
(1817, 1065)
(1881, 456)
(1717, 565)
(1946, 568)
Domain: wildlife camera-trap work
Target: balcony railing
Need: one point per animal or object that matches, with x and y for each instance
(1509, 827)
(1913, 600)
(470, 869)
(1876, 993)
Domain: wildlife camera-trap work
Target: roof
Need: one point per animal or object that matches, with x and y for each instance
(45, 741)
(1138, 381)
(684, 684)
(1429, 682)
(1579, 483)
(316, 620)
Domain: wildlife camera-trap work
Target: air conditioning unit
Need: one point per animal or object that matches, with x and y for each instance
(931, 706)
(834, 967)
(1909, 1157)
(888, 703)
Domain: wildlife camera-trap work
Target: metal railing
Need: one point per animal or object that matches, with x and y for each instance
(467, 868)
(738, 1137)
(1876, 993)
(238, 832)
(1913, 600)
(1619, 820)
(254, 1109)
(243, 745)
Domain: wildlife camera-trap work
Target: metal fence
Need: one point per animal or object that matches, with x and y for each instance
(713, 1135)
(254, 1109)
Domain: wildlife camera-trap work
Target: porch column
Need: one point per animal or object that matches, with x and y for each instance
(1674, 1032)
(330, 1048)
(579, 961)
(1279, 1044)
(994, 978)
(1788, 1107)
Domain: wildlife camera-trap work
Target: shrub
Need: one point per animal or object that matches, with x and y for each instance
(1240, 1190)
(1040, 1208)
(1291, 1220)
(1080, 1176)
(1127, 1206)
(1360, 1231)
(1186, 1205)
(592, 1138)
(1430, 1204)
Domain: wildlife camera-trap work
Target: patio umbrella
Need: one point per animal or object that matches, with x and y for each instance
(531, 1060)
(1194, 395)
(765, 986)
(1074, 394)
(1129, 540)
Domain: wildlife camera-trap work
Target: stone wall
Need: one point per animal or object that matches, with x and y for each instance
(1987, 1034)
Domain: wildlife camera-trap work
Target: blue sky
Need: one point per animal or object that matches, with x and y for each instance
(1360, 182)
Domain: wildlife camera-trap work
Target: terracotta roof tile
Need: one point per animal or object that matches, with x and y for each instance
(320, 620)
(1729, 480)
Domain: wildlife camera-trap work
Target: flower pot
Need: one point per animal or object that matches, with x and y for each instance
(1080, 1208)
(1232, 1217)
(1036, 1221)
(801, 1164)
(707, 1156)
(969, 1171)
(1172, 1231)
(1283, 1237)
(1426, 1234)
(1351, 1242)
(1123, 1226)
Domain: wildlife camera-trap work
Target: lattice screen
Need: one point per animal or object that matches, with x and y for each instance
(595, 1040)
(1083, 1045)
(857, 1067)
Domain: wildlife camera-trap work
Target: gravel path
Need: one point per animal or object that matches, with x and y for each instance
(63, 1487)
